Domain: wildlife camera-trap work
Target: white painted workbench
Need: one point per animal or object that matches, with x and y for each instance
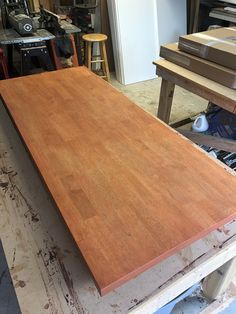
(47, 269)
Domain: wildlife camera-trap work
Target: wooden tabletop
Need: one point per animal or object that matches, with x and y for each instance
(223, 96)
(131, 190)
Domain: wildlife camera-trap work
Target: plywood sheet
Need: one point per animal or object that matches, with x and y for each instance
(131, 190)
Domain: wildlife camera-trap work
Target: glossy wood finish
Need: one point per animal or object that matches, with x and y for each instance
(131, 190)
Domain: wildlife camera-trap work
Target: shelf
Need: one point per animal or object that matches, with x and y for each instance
(223, 15)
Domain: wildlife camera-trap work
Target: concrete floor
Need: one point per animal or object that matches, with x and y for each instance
(146, 95)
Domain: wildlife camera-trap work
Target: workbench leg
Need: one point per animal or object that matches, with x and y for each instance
(215, 284)
(166, 99)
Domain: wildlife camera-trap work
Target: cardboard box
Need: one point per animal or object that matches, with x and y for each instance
(217, 45)
(210, 70)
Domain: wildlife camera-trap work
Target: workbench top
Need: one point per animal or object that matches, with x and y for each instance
(131, 190)
(10, 37)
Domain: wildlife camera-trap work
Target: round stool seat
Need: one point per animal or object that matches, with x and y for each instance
(94, 37)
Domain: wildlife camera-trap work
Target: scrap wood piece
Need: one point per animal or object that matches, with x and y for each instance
(210, 141)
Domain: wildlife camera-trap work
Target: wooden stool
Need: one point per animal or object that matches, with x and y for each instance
(90, 39)
(3, 64)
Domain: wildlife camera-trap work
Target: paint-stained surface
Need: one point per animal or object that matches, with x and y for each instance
(8, 300)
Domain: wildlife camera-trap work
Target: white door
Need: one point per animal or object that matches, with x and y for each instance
(138, 29)
(135, 38)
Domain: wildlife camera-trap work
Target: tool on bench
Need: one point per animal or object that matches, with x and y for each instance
(19, 28)
(17, 19)
(63, 46)
(16, 15)
(50, 21)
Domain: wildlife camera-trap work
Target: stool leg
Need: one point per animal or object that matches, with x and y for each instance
(89, 55)
(104, 57)
(103, 62)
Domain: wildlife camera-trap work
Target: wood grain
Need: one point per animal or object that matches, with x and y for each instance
(131, 190)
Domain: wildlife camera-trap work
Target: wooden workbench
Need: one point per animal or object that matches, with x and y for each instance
(49, 273)
(173, 74)
(112, 171)
(214, 92)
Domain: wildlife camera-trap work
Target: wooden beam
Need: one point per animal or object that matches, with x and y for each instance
(35, 5)
(218, 282)
(180, 123)
(211, 141)
(47, 4)
(166, 99)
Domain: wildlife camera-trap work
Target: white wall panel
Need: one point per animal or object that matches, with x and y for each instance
(172, 20)
(135, 38)
(138, 28)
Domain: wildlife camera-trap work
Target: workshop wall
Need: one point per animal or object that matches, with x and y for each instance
(174, 11)
(105, 29)
(47, 4)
